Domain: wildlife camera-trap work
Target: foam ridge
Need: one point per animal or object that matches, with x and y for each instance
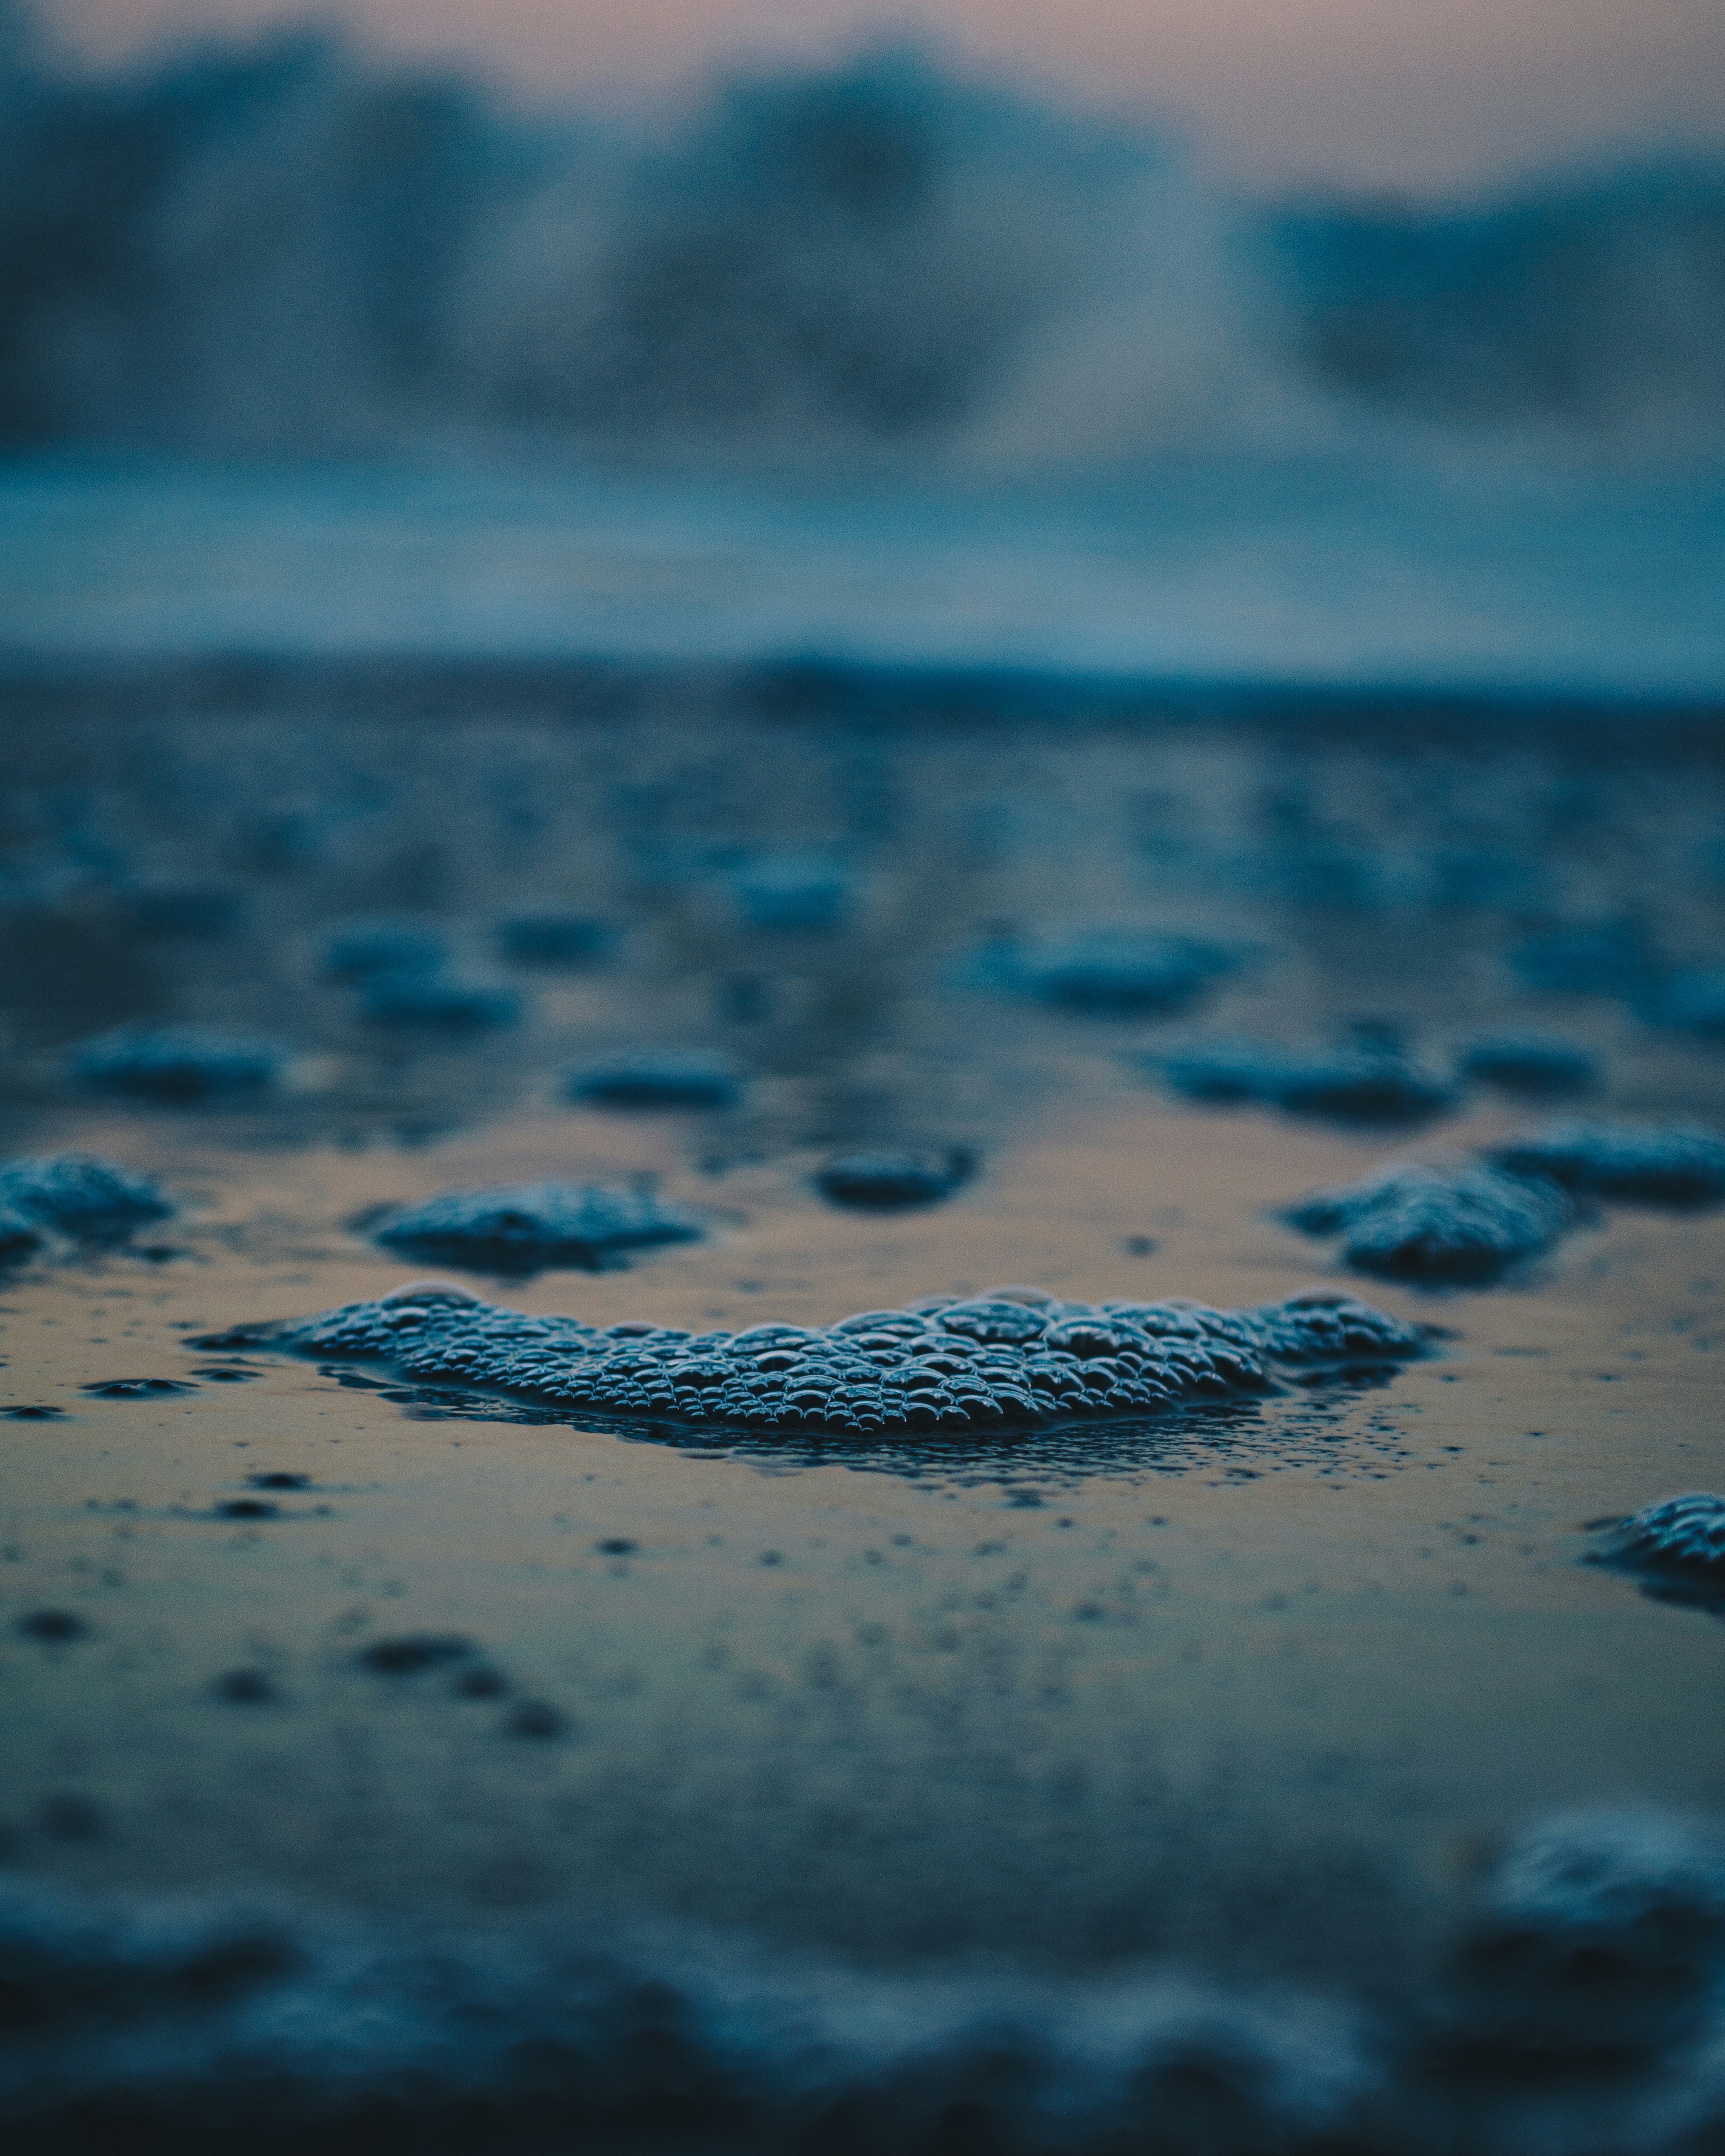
(1011, 1358)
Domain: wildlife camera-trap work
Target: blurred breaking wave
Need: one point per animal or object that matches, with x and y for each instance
(279, 245)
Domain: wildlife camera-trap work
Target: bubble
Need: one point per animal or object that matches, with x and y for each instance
(1010, 1322)
(422, 1294)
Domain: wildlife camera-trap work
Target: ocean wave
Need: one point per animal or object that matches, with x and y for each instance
(283, 245)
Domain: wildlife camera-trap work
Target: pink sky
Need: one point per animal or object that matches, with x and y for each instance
(1416, 92)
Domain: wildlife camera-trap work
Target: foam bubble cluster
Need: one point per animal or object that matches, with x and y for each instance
(176, 1063)
(1469, 1222)
(1362, 1081)
(659, 1078)
(893, 1181)
(1648, 1163)
(1692, 1001)
(1461, 1224)
(207, 2025)
(1679, 1540)
(438, 1001)
(362, 950)
(530, 1225)
(1013, 1359)
(1523, 1060)
(1589, 958)
(553, 940)
(80, 1196)
(791, 892)
(1120, 969)
(1601, 1934)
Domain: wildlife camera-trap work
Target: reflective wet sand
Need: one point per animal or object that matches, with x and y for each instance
(1258, 1695)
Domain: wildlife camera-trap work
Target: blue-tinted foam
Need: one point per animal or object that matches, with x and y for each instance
(986, 1364)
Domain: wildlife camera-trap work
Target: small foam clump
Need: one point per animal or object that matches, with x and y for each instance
(362, 950)
(996, 1362)
(1601, 1936)
(1468, 1223)
(1680, 1542)
(553, 941)
(188, 912)
(1608, 957)
(1529, 1062)
(1322, 1326)
(659, 1078)
(80, 1196)
(893, 1181)
(410, 1654)
(1369, 1079)
(176, 1063)
(535, 1225)
(400, 968)
(791, 893)
(1649, 1164)
(438, 1001)
(1356, 1085)
(1226, 1070)
(1464, 1225)
(1692, 1001)
(1105, 969)
(1615, 958)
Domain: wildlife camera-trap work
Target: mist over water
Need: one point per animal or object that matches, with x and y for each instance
(284, 246)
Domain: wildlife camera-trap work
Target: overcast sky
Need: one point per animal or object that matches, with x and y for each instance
(1419, 93)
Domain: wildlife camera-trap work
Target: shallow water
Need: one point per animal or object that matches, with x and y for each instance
(1247, 1702)
(1523, 570)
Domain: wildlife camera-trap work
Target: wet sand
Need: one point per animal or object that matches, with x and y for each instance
(1257, 1698)
(1254, 1697)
